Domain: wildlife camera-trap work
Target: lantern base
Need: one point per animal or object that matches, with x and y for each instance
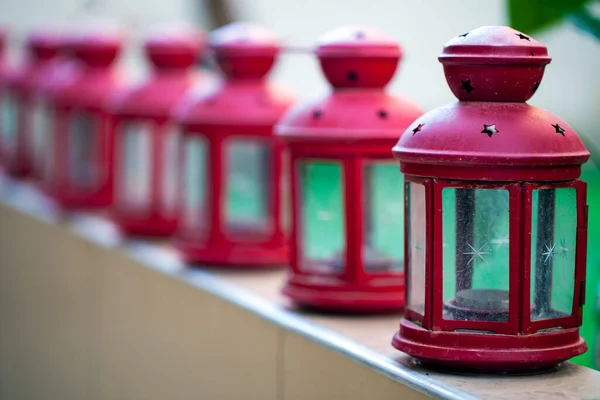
(149, 227)
(233, 255)
(483, 352)
(333, 294)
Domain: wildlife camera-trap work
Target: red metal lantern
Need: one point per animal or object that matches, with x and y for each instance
(232, 165)
(5, 106)
(496, 225)
(147, 142)
(81, 167)
(347, 193)
(18, 132)
(47, 116)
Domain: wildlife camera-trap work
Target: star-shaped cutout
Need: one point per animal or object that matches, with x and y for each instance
(466, 86)
(489, 129)
(476, 254)
(418, 128)
(352, 76)
(549, 253)
(535, 86)
(464, 34)
(523, 37)
(558, 129)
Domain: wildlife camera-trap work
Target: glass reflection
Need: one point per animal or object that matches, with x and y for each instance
(553, 239)
(322, 229)
(248, 176)
(136, 164)
(475, 254)
(383, 217)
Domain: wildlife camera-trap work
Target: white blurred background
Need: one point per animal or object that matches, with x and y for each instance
(571, 87)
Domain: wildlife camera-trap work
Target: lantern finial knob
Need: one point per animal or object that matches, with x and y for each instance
(244, 50)
(494, 63)
(174, 47)
(44, 44)
(358, 56)
(97, 45)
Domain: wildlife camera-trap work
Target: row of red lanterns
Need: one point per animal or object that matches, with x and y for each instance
(489, 220)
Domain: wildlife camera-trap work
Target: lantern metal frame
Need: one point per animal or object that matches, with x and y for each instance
(171, 54)
(243, 106)
(95, 80)
(493, 71)
(354, 125)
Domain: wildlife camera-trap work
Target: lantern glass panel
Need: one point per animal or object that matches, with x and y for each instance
(322, 216)
(553, 239)
(196, 180)
(170, 174)
(47, 160)
(249, 180)
(9, 121)
(41, 127)
(383, 217)
(136, 166)
(416, 206)
(286, 194)
(475, 254)
(83, 141)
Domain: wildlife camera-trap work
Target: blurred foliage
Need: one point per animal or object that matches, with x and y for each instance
(530, 16)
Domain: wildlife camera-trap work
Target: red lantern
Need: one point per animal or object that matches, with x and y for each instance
(232, 165)
(496, 220)
(346, 190)
(5, 106)
(81, 166)
(147, 142)
(20, 102)
(62, 72)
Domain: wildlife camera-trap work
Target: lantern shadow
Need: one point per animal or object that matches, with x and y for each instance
(309, 311)
(426, 368)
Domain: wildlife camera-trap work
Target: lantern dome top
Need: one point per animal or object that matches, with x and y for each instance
(96, 46)
(358, 56)
(358, 62)
(244, 50)
(44, 44)
(494, 63)
(173, 47)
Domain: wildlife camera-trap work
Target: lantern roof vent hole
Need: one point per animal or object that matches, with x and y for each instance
(358, 56)
(494, 63)
(174, 48)
(244, 50)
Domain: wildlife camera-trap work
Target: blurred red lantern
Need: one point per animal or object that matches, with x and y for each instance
(19, 102)
(346, 190)
(62, 72)
(147, 142)
(231, 173)
(82, 160)
(496, 216)
(5, 107)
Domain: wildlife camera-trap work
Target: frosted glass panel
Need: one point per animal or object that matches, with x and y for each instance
(83, 151)
(416, 207)
(249, 180)
(170, 169)
(9, 122)
(475, 254)
(136, 173)
(322, 215)
(383, 217)
(195, 182)
(40, 131)
(553, 239)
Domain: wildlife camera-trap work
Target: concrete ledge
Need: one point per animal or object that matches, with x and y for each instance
(85, 315)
